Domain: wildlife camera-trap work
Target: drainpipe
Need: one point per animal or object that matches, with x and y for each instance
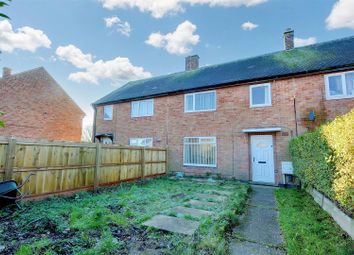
(94, 123)
(296, 130)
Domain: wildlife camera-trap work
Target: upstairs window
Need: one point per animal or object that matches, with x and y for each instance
(260, 95)
(142, 142)
(108, 112)
(340, 85)
(142, 108)
(200, 102)
(199, 151)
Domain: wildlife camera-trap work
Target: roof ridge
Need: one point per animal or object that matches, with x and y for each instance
(24, 72)
(234, 61)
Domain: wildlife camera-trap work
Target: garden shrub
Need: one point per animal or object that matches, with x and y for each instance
(324, 159)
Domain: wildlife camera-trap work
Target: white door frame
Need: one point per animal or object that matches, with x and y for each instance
(266, 160)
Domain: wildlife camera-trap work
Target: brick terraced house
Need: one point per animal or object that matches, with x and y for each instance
(36, 107)
(233, 119)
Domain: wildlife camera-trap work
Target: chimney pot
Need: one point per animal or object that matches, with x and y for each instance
(6, 72)
(192, 62)
(289, 39)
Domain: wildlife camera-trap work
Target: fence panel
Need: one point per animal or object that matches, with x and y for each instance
(65, 167)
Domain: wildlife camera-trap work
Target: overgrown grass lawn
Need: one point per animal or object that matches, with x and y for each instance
(307, 228)
(109, 221)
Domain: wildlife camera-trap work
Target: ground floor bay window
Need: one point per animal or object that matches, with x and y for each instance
(199, 151)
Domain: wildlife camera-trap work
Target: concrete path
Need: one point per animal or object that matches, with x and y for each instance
(259, 232)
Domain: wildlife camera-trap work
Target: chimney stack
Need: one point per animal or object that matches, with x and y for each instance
(289, 39)
(6, 72)
(192, 62)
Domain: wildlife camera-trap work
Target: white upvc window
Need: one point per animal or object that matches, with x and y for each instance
(200, 102)
(142, 108)
(199, 151)
(339, 85)
(108, 112)
(143, 142)
(261, 95)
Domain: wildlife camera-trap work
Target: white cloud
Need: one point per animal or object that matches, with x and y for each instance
(123, 27)
(299, 42)
(25, 38)
(119, 70)
(111, 21)
(74, 55)
(160, 8)
(249, 26)
(177, 42)
(342, 15)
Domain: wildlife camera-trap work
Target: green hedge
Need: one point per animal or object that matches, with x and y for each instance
(324, 159)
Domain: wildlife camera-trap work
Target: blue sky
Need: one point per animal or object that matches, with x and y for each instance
(90, 56)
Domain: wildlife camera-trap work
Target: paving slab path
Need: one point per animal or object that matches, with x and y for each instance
(173, 224)
(193, 202)
(219, 192)
(196, 213)
(212, 197)
(259, 232)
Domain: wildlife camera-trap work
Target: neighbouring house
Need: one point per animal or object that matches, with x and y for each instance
(36, 107)
(233, 119)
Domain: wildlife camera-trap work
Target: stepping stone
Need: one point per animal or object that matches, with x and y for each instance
(205, 181)
(173, 224)
(201, 203)
(221, 192)
(217, 198)
(197, 213)
(228, 187)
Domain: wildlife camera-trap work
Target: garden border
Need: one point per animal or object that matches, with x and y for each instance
(342, 219)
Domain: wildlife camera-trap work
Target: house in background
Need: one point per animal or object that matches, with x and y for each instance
(36, 107)
(235, 119)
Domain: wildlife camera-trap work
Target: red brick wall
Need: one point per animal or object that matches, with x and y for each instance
(170, 124)
(35, 106)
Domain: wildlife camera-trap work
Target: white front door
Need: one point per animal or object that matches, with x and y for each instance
(262, 158)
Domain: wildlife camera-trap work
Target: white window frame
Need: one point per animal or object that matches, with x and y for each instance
(104, 108)
(141, 138)
(198, 93)
(344, 86)
(201, 165)
(269, 86)
(139, 102)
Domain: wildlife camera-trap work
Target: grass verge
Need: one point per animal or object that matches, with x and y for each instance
(307, 228)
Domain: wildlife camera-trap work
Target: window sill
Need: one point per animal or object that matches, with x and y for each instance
(260, 106)
(142, 117)
(212, 110)
(194, 165)
(338, 97)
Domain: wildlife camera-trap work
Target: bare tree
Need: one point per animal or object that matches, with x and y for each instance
(87, 134)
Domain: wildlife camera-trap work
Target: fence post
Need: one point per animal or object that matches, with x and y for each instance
(96, 178)
(142, 163)
(166, 159)
(10, 156)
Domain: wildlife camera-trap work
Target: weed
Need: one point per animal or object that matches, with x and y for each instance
(106, 221)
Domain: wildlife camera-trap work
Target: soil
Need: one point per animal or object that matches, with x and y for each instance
(63, 242)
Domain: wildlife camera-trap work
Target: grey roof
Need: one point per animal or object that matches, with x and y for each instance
(304, 60)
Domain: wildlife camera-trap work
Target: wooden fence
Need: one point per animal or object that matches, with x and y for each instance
(62, 167)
